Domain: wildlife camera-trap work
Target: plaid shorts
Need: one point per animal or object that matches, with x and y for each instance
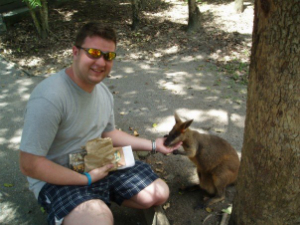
(58, 201)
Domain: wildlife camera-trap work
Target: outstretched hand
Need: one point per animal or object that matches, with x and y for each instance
(160, 147)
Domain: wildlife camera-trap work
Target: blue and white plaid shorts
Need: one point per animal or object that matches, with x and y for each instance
(59, 201)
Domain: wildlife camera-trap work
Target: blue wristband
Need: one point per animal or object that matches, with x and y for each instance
(88, 177)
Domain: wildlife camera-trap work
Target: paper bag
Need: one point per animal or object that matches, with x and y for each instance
(100, 152)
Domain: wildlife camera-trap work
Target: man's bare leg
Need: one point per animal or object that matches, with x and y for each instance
(157, 193)
(90, 212)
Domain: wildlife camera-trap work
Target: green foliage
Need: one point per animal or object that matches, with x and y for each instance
(33, 3)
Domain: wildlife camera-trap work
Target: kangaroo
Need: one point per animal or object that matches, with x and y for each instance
(216, 160)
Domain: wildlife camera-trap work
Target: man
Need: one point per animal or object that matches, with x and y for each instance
(63, 113)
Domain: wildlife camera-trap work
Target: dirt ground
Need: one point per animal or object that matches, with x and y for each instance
(202, 75)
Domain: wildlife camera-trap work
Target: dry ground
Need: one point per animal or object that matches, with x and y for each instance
(222, 45)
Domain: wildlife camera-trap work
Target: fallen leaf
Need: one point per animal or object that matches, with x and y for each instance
(159, 163)
(154, 125)
(228, 210)
(8, 185)
(159, 170)
(166, 206)
(209, 210)
(135, 133)
(43, 210)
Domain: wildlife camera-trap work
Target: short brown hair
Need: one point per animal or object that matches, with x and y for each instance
(95, 29)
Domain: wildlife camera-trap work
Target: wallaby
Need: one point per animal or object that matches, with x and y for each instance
(216, 160)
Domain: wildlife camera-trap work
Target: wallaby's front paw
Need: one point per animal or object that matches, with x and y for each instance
(176, 152)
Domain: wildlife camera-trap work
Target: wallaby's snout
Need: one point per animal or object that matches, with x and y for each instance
(176, 135)
(167, 142)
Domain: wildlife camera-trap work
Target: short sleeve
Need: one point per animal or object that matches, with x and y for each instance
(41, 123)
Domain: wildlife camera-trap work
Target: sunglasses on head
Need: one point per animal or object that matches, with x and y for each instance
(96, 53)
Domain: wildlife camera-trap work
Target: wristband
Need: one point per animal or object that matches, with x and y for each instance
(88, 177)
(153, 151)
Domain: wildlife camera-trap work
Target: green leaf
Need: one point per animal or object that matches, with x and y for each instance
(154, 125)
(33, 3)
(8, 185)
(228, 210)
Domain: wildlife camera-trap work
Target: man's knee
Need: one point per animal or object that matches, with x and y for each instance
(161, 191)
(90, 212)
(157, 193)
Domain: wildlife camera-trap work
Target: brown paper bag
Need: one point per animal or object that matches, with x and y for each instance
(100, 152)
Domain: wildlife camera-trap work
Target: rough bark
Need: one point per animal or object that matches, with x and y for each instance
(194, 16)
(239, 6)
(136, 7)
(40, 17)
(34, 18)
(44, 15)
(268, 187)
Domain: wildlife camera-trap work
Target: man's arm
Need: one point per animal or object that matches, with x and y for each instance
(120, 138)
(41, 168)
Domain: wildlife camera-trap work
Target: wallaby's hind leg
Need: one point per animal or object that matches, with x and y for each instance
(207, 183)
(220, 183)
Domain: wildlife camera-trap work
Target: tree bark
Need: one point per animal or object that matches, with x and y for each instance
(194, 16)
(268, 186)
(35, 19)
(239, 6)
(44, 15)
(136, 7)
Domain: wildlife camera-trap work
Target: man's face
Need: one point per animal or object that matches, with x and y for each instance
(89, 71)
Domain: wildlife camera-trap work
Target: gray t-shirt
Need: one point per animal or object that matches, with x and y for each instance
(60, 118)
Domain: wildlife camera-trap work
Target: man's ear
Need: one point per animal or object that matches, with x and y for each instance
(75, 51)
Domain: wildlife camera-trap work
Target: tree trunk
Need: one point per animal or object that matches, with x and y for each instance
(35, 19)
(44, 15)
(268, 186)
(194, 16)
(239, 6)
(136, 7)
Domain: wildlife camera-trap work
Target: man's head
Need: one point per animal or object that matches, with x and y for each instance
(95, 29)
(93, 55)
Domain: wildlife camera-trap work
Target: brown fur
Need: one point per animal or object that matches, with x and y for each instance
(216, 160)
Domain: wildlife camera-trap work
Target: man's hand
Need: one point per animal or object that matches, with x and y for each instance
(163, 149)
(100, 173)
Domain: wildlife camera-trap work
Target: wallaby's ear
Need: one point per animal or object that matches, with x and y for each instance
(185, 125)
(188, 123)
(177, 119)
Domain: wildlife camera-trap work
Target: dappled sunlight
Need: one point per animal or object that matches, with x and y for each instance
(199, 116)
(192, 177)
(3, 104)
(24, 88)
(238, 120)
(228, 22)
(171, 50)
(165, 125)
(172, 13)
(16, 139)
(31, 62)
(8, 212)
(67, 16)
(203, 115)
